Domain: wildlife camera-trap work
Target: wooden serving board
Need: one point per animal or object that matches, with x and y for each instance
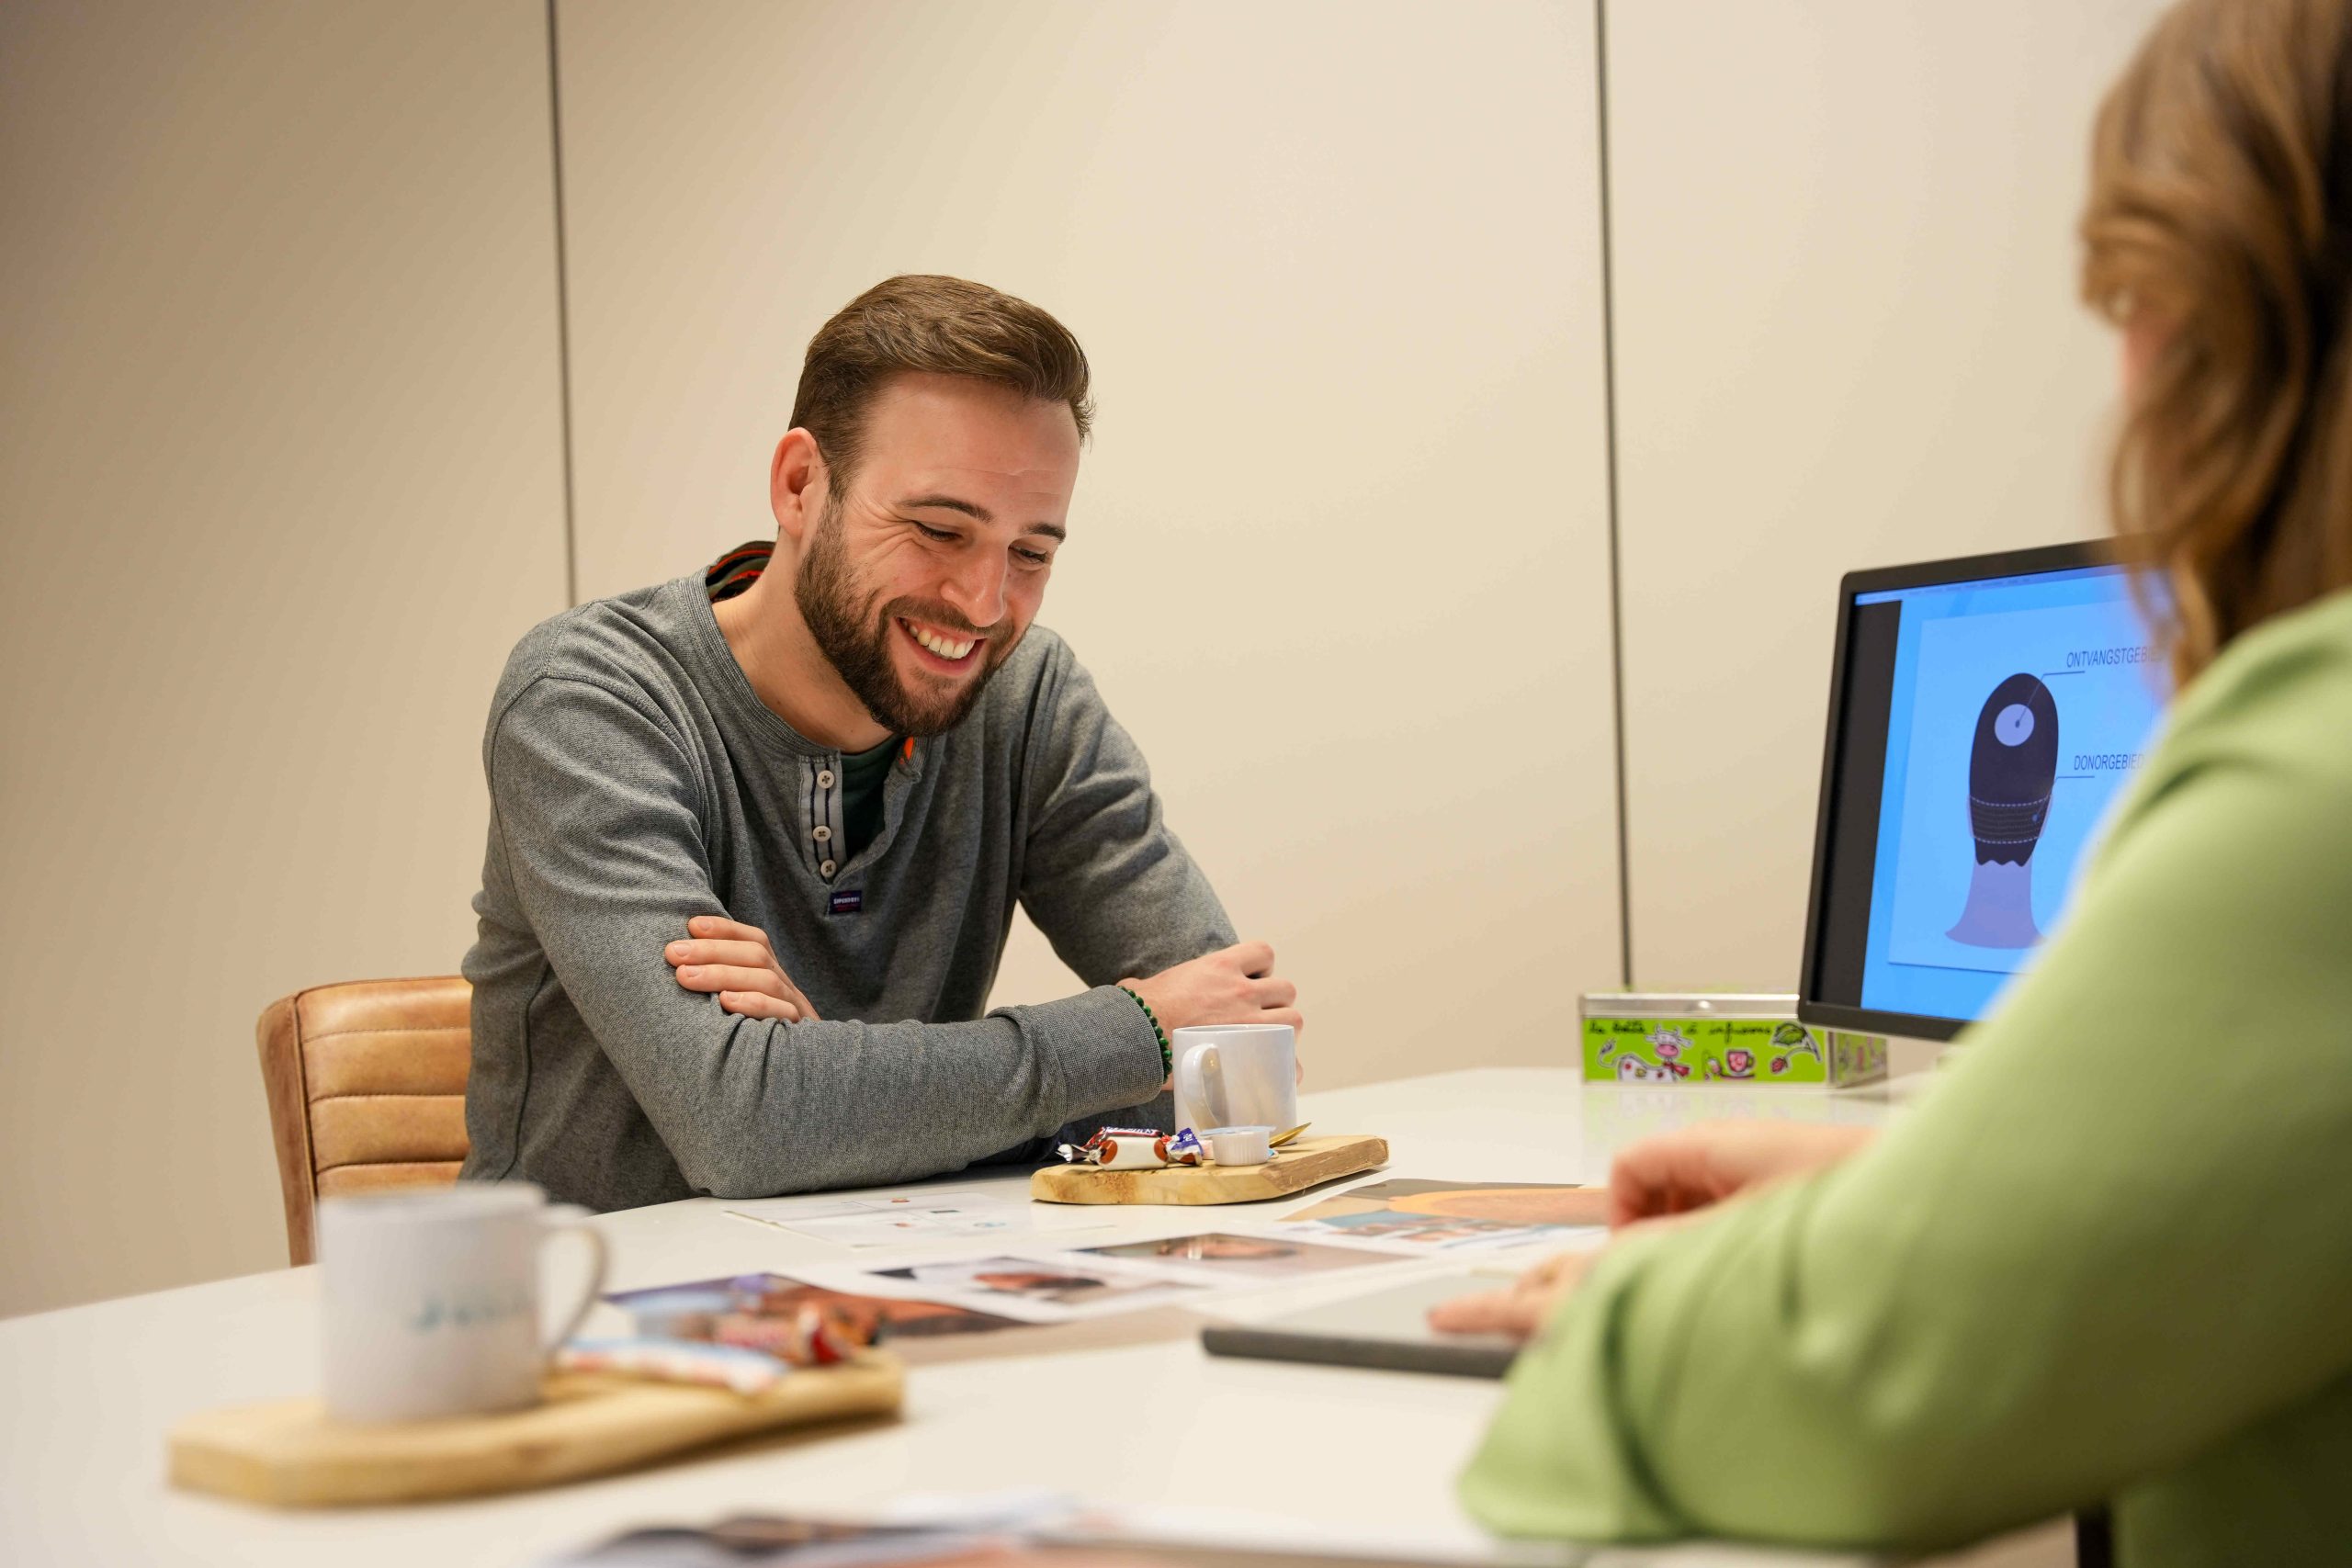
(1306, 1163)
(288, 1454)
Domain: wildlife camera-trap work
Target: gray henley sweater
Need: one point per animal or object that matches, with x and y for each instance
(635, 781)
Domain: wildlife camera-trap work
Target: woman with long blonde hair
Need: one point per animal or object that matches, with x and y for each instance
(2107, 1262)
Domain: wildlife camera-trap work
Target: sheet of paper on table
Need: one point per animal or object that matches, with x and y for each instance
(919, 1217)
(1053, 1286)
(1019, 1268)
(1236, 1260)
(1040, 1286)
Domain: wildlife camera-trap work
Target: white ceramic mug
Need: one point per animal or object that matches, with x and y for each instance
(430, 1300)
(1231, 1075)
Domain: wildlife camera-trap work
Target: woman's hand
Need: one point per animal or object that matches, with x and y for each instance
(1702, 1164)
(1651, 1183)
(1520, 1308)
(735, 962)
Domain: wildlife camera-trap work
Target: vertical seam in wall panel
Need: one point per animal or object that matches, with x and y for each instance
(562, 309)
(1609, 424)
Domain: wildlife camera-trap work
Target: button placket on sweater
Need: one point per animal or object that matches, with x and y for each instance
(825, 823)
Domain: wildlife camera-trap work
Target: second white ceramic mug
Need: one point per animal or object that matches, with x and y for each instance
(430, 1300)
(1229, 1074)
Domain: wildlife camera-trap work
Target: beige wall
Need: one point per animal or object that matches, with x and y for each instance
(279, 483)
(280, 466)
(1846, 337)
(1338, 554)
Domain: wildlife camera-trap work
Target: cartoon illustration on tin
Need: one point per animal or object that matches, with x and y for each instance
(1632, 1069)
(2011, 769)
(1670, 1044)
(1739, 1062)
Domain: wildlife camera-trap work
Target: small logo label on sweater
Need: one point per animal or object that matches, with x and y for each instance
(848, 903)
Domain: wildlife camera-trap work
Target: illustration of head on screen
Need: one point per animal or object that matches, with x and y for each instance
(1984, 715)
(2012, 766)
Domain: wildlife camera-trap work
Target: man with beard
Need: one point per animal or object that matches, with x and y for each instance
(752, 859)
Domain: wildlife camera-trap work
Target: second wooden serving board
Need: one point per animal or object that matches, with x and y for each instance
(290, 1455)
(1308, 1163)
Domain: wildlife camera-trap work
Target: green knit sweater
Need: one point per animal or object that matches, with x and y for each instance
(2109, 1259)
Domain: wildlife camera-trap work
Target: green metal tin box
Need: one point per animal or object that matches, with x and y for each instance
(1696, 1037)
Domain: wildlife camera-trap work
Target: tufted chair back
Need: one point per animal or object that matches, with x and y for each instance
(366, 1086)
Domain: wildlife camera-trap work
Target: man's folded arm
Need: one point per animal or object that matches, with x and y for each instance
(1102, 876)
(596, 801)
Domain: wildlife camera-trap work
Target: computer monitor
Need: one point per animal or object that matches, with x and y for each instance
(1983, 715)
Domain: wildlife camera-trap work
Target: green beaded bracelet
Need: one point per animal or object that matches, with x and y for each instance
(1167, 1057)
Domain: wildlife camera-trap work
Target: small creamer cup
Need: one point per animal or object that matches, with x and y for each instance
(1240, 1145)
(429, 1302)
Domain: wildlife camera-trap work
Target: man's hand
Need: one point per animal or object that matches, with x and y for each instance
(1520, 1308)
(735, 961)
(1695, 1167)
(1234, 985)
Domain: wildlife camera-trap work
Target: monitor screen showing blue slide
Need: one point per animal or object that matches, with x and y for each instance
(2011, 710)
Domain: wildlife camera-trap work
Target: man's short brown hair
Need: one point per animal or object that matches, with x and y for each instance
(926, 322)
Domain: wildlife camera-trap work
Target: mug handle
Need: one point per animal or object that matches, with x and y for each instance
(1192, 1087)
(571, 1218)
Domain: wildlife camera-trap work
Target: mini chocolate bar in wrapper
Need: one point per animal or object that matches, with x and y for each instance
(1134, 1148)
(1117, 1148)
(809, 1337)
(675, 1360)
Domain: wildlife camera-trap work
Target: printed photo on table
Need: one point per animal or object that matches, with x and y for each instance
(1453, 1215)
(1232, 1258)
(766, 1542)
(1043, 1289)
(744, 1309)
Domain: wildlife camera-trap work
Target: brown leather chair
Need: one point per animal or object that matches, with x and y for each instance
(366, 1085)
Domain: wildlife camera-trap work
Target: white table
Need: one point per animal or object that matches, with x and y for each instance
(87, 1394)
